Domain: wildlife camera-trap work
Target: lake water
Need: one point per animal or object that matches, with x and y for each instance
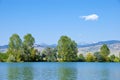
(60, 71)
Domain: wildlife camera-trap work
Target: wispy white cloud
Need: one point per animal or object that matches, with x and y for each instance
(91, 17)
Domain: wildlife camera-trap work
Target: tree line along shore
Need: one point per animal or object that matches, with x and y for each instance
(66, 51)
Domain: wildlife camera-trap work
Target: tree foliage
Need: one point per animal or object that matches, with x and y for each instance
(15, 47)
(3, 57)
(116, 59)
(104, 50)
(67, 49)
(50, 54)
(99, 57)
(28, 41)
(90, 57)
(81, 58)
(112, 58)
(28, 47)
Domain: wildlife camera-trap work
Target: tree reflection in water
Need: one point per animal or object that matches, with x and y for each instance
(67, 73)
(104, 75)
(20, 73)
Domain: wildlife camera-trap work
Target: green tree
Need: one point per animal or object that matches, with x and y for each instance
(11, 58)
(99, 57)
(35, 55)
(28, 41)
(90, 57)
(67, 49)
(112, 58)
(104, 51)
(116, 59)
(15, 47)
(49, 54)
(81, 58)
(28, 47)
(3, 57)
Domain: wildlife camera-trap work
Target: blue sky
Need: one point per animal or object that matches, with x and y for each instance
(47, 20)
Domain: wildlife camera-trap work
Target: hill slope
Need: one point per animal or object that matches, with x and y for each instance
(114, 46)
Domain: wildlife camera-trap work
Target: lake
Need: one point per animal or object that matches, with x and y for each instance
(60, 71)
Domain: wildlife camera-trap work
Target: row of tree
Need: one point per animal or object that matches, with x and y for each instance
(66, 51)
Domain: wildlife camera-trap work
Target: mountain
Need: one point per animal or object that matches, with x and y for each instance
(99, 43)
(114, 46)
(3, 48)
(45, 45)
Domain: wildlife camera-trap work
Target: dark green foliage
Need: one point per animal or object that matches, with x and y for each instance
(29, 52)
(3, 57)
(99, 57)
(104, 50)
(15, 48)
(35, 55)
(49, 54)
(112, 58)
(28, 41)
(81, 58)
(67, 49)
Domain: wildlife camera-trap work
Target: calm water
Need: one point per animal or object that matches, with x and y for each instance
(60, 71)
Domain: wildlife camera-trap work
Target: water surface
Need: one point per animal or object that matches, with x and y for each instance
(60, 71)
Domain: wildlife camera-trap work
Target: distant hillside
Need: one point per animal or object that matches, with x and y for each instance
(99, 43)
(114, 46)
(3, 48)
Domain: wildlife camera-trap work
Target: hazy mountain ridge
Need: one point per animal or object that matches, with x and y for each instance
(114, 46)
(3, 48)
(100, 43)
